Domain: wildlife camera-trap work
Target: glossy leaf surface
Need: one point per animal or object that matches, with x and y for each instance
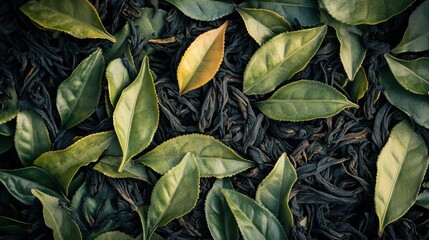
(305, 11)
(213, 157)
(9, 226)
(78, 17)
(117, 79)
(401, 166)
(413, 75)
(114, 235)
(201, 60)
(412, 104)
(64, 164)
(304, 100)
(109, 167)
(57, 218)
(136, 115)
(175, 194)
(118, 49)
(274, 191)
(416, 37)
(254, 221)
(10, 109)
(78, 96)
(220, 219)
(19, 183)
(31, 137)
(262, 24)
(205, 10)
(365, 11)
(423, 199)
(280, 58)
(358, 87)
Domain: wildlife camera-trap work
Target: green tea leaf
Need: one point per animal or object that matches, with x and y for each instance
(109, 167)
(9, 226)
(19, 183)
(416, 37)
(78, 96)
(305, 11)
(422, 199)
(415, 106)
(136, 115)
(358, 87)
(151, 23)
(175, 194)
(274, 191)
(78, 17)
(401, 167)
(114, 235)
(365, 11)
(10, 102)
(201, 60)
(213, 157)
(64, 164)
(204, 10)
(413, 75)
(117, 79)
(31, 137)
(304, 100)
(6, 143)
(220, 219)
(118, 49)
(6, 129)
(280, 58)
(263, 24)
(57, 218)
(254, 221)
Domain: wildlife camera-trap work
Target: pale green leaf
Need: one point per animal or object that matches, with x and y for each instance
(213, 157)
(6, 143)
(304, 100)
(9, 101)
(201, 60)
(64, 164)
(280, 58)
(119, 48)
(114, 235)
(75, 17)
(136, 115)
(274, 191)
(78, 96)
(9, 226)
(254, 221)
(205, 10)
(365, 11)
(57, 218)
(109, 167)
(262, 24)
(19, 183)
(416, 37)
(220, 219)
(31, 137)
(117, 79)
(401, 166)
(358, 87)
(423, 199)
(412, 104)
(305, 11)
(175, 194)
(413, 75)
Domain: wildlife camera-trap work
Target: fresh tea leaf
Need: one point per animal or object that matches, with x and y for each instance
(401, 166)
(64, 164)
(274, 191)
(78, 96)
(416, 37)
(422, 199)
(220, 219)
(254, 221)
(304, 100)
(175, 194)
(6, 130)
(117, 79)
(9, 101)
(413, 75)
(75, 17)
(365, 11)
(136, 115)
(262, 24)
(412, 104)
(57, 218)
(280, 58)
(305, 11)
(201, 60)
(109, 167)
(213, 157)
(114, 235)
(118, 49)
(9, 226)
(31, 137)
(19, 183)
(358, 87)
(204, 10)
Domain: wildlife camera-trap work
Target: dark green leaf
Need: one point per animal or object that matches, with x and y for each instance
(121, 45)
(6, 129)
(358, 87)
(205, 10)
(423, 199)
(6, 143)
(9, 226)
(10, 109)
